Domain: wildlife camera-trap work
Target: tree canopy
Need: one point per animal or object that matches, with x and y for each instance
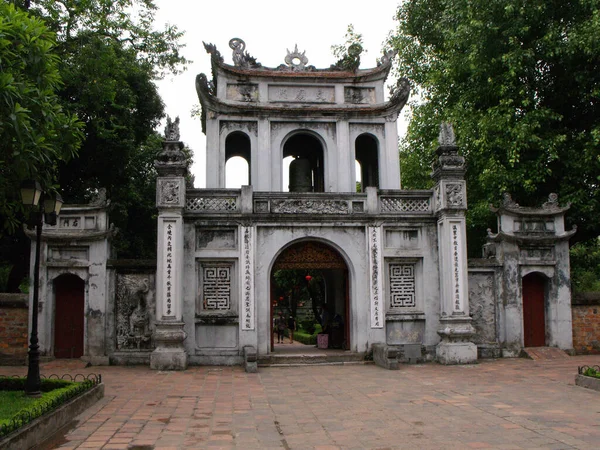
(35, 131)
(111, 54)
(108, 54)
(520, 81)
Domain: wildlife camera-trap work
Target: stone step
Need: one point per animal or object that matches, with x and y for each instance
(296, 359)
(544, 353)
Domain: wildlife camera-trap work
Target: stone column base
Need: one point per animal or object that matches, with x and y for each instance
(456, 352)
(455, 347)
(168, 359)
(170, 353)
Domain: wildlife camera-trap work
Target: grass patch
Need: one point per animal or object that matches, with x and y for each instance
(11, 402)
(17, 409)
(14, 402)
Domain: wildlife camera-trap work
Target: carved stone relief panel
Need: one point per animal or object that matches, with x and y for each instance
(170, 192)
(251, 127)
(327, 127)
(80, 253)
(537, 253)
(301, 94)
(261, 206)
(244, 92)
(359, 95)
(534, 226)
(482, 307)
(216, 239)
(135, 308)
(309, 207)
(402, 238)
(455, 197)
(377, 129)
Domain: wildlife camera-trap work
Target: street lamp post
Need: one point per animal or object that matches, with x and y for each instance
(48, 210)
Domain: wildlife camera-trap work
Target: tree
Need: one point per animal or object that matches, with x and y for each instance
(111, 55)
(520, 82)
(35, 131)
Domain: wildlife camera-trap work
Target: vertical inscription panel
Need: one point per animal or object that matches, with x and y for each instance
(457, 258)
(375, 275)
(169, 267)
(247, 278)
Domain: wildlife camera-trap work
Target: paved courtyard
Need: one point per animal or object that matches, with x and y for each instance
(505, 404)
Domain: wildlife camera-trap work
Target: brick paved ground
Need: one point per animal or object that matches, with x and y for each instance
(505, 404)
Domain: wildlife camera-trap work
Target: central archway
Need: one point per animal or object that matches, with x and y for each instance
(327, 286)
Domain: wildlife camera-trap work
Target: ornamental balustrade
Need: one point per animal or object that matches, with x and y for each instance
(229, 201)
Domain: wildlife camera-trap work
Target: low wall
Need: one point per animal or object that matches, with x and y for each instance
(586, 322)
(13, 328)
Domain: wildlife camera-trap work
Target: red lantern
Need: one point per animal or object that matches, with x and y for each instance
(280, 299)
(308, 278)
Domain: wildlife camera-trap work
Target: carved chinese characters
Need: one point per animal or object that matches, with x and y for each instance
(247, 284)
(375, 271)
(168, 268)
(305, 94)
(456, 270)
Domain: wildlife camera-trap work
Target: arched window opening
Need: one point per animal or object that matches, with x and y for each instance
(306, 172)
(286, 172)
(237, 172)
(237, 145)
(358, 171)
(367, 154)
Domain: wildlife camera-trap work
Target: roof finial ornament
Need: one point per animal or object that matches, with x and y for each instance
(296, 60)
(387, 57)
(446, 137)
(172, 130)
(238, 46)
(240, 57)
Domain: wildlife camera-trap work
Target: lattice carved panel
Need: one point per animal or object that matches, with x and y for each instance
(394, 204)
(402, 286)
(216, 288)
(211, 204)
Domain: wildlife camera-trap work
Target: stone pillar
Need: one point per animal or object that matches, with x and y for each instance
(170, 201)
(450, 206)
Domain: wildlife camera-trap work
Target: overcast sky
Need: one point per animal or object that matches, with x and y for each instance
(269, 28)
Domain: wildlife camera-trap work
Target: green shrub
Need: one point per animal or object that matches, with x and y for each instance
(55, 393)
(590, 372)
(18, 384)
(305, 338)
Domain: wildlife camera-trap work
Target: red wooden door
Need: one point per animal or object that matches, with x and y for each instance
(534, 320)
(68, 317)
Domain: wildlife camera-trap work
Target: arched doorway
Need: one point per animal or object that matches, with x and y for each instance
(323, 273)
(68, 316)
(534, 305)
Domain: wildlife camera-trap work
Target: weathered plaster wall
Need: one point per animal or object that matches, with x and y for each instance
(586, 322)
(13, 329)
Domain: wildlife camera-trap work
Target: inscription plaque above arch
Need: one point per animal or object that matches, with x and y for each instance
(309, 255)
